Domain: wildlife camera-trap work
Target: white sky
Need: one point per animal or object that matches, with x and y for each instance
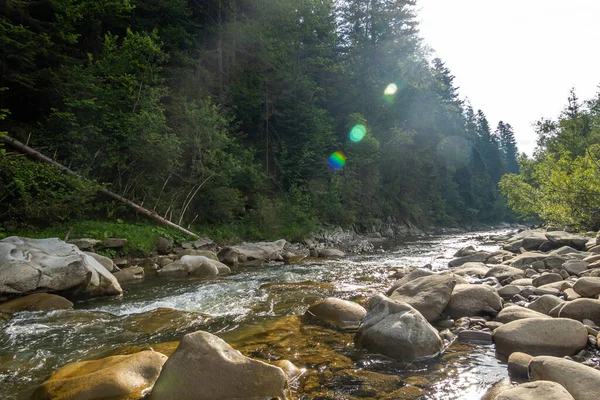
(517, 59)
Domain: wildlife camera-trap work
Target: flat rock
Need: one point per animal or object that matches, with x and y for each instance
(342, 314)
(476, 269)
(204, 367)
(36, 302)
(509, 291)
(526, 259)
(582, 382)
(331, 253)
(113, 243)
(545, 279)
(252, 251)
(429, 294)
(562, 238)
(575, 267)
(541, 336)
(105, 261)
(480, 256)
(514, 313)
(194, 252)
(587, 287)
(85, 243)
(479, 337)
(123, 377)
(473, 300)
(131, 274)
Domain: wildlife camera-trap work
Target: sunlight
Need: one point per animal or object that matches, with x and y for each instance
(391, 89)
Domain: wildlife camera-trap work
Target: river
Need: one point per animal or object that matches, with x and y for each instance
(256, 310)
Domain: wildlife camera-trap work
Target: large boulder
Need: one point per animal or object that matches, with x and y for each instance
(545, 390)
(252, 251)
(105, 261)
(195, 266)
(502, 272)
(526, 259)
(197, 261)
(342, 314)
(118, 377)
(534, 240)
(131, 274)
(36, 302)
(541, 336)
(51, 265)
(514, 313)
(480, 256)
(429, 295)
(545, 303)
(331, 253)
(545, 279)
(581, 381)
(561, 238)
(575, 267)
(473, 300)
(398, 331)
(587, 287)
(204, 367)
(412, 275)
(580, 309)
(475, 269)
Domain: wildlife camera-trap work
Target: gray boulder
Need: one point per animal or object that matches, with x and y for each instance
(575, 267)
(561, 238)
(526, 259)
(580, 309)
(535, 391)
(51, 265)
(582, 382)
(415, 274)
(252, 251)
(429, 295)
(472, 300)
(514, 313)
(331, 253)
(204, 367)
(587, 287)
(398, 331)
(476, 269)
(131, 274)
(502, 272)
(546, 279)
(545, 303)
(105, 261)
(480, 256)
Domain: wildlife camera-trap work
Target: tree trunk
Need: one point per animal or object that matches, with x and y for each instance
(40, 157)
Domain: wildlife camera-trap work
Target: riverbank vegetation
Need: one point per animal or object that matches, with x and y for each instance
(240, 117)
(560, 184)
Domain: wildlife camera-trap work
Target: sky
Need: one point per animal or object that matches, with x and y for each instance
(517, 60)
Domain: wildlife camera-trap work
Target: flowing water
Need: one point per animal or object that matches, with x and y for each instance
(257, 310)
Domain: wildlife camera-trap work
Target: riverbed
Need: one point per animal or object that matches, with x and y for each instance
(258, 309)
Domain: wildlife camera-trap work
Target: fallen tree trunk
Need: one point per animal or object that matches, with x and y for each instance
(40, 157)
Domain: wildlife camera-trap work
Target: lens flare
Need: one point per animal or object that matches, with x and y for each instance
(357, 133)
(336, 161)
(391, 89)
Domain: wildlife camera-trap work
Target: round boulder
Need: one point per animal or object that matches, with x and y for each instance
(581, 381)
(535, 391)
(544, 304)
(587, 287)
(36, 302)
(342, 314)
(514, 313)
(471, 300)
(429, 295)
(580, 309)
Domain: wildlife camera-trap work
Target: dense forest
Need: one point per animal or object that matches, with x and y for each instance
(259, 114)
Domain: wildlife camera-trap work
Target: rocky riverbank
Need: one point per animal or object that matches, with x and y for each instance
(533, 297)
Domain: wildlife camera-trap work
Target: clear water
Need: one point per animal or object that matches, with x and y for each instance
(33, 345)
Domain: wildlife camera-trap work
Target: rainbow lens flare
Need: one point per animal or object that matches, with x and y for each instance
(357, 133)
(336, 161)
(391, 89)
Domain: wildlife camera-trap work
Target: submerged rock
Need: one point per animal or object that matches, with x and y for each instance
(123, 377)
(205, 367)
(340, 313)
(131, 274)
(36, 302)
(398, 331)
(51, 265)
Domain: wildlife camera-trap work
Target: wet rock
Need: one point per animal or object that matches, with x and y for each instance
(546, 279)
(471, 336)
(415, 274)
(29, 265)
(580, 309)
(476, 269)
(198, 261)
(195, 266)
(480, 256)
(131, 274)
(472, 300)
(252, 251)
(398, 331)
(163, 245)
(587, 287)
(514, 313)
(429, 295)
(124, 377)
(541, 336)
(518, 366)
(105, 261)
(36, 302)
(497, 388)
(289, 369)
(113, 243)
(535, 391)
(162, 320)
(545, 303)
(206, 367)
(581, 381)
(340, 313)
(331, 253)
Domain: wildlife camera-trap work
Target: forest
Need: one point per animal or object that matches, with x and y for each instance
(267, 117)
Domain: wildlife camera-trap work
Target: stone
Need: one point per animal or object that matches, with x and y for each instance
(131, 274)
(496, 389)
(509, 291)
(591, 259)
(531, 273)
(514, 313)
(252, 251)
(526, 259)
(193, 252)
(414, 274)
(197, 261)
(473, 300)
(575, 267)
(522, 282)
(204, 367)
(342, 314)
(113, 243)
(518, 366)
(397, 330)
(36, 302)
(502, 272)
(472, 336)
(587, 287)
(545, 279)
(545, 303)
(480, 256)
(85, 243)
(541, 336)
(562, 238)
(513, 246)
(164, 320)
(204, 243)
(51, 265)
(465, 251)
(124, 377)
(291, 372)
(535, 391)
(429, 295)
(581, 381)
(163, 245)
(105, 261)
(331, 253)
(580, 309)
(534, 241)
(595, 249)
(200, 266)
(546, 246)
(476, 269)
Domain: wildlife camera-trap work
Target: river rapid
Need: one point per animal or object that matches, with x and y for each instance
(258, 309)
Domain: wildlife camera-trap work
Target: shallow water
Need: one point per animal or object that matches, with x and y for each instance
(253, 310)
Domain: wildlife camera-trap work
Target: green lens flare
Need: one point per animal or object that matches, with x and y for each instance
(357, 133)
